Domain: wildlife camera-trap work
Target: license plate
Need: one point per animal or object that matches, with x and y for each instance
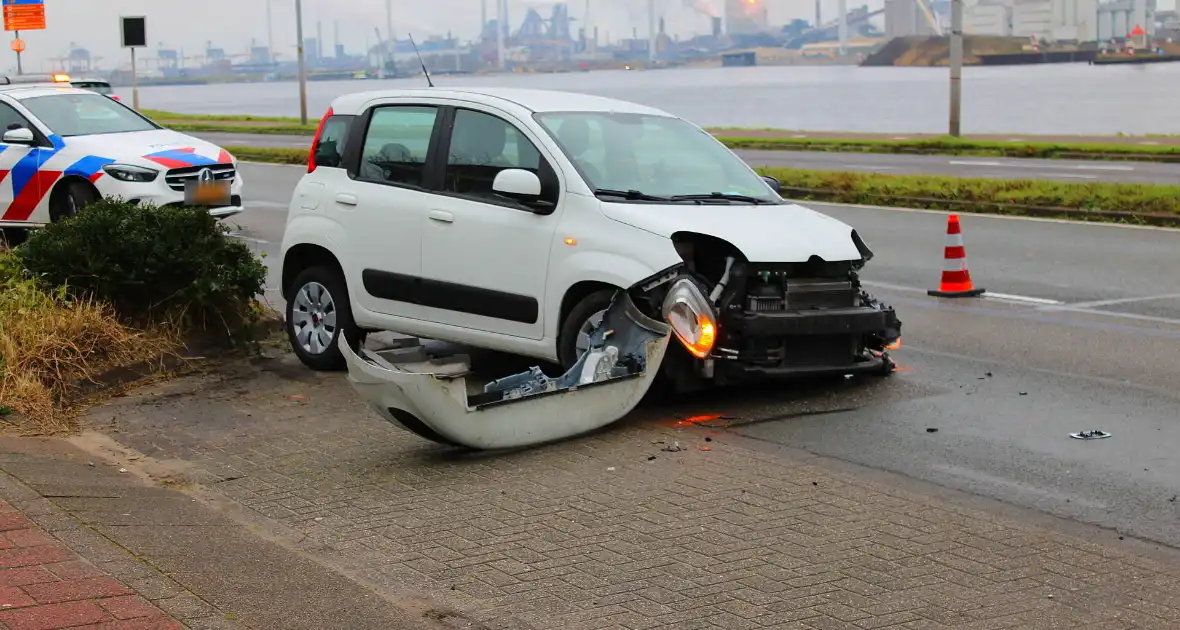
(215, 193)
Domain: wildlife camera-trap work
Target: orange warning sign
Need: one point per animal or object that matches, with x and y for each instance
(23, 15)
(18, 45)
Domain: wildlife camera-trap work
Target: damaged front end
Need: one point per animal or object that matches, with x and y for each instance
(430, 396)
(777, 320)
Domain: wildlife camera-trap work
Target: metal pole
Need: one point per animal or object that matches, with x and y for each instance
(270, 34)
(651, 30)
(19, 69)
(956, 66)
(500, 33)
(134, 82)
(842, 26)
(302, 63)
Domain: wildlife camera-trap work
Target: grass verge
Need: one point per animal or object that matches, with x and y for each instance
(1128, 203)
(1123, 203)
(955, 146)
(53, 347)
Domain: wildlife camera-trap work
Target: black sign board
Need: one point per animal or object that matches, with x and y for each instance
(134, 31)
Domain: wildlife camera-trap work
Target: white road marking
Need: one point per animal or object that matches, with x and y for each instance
(973, 163)
(1098, 167)
(1074, 175)
(252, 163)
(248, 239)
(1007, 297)
(901, 137)
(1089, 305)
(870, 167)
(1148, 142)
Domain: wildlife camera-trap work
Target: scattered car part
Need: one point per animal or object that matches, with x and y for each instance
(430, 397)
(1090, 435)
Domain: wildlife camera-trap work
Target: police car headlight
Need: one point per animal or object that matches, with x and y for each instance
(692, 318)
(129, 173)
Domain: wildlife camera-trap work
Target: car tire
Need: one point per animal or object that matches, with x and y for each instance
(70, 200)
(591, 306)
(318, 311)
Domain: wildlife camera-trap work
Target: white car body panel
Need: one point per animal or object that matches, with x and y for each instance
(763, 233)
(433, 400)
(34, 172)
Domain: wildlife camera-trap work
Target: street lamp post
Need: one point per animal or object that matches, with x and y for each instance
(302, 63)
(956, 66)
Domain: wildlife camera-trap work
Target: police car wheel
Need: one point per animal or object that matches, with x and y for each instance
(70, 200)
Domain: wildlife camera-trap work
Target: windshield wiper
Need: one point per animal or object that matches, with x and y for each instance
(630, 195)
(720, 197)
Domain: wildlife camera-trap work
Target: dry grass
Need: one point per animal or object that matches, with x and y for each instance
(53, 349)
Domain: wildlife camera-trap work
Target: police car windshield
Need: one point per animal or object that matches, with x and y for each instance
(94, 86)
(85, 115)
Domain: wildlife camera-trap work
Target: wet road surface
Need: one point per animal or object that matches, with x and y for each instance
(958, 166)
(1081, 331)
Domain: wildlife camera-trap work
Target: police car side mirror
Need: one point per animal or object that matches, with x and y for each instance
(19, 136)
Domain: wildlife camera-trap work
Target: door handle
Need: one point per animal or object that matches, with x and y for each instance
(441, 216)
(346, 199)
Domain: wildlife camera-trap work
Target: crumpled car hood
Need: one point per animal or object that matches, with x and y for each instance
(430, 397)
(764, 233)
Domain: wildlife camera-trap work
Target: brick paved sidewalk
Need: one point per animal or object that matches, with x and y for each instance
(614, 531)
(44, 586)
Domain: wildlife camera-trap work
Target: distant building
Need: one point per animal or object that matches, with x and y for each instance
(745, 17)
(1045, 20)
(989, 17)
(904, 18)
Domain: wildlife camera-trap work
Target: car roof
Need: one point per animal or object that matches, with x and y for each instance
(535, 101)
(31, 90)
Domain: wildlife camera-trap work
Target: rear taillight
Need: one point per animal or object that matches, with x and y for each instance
(315, 142)
(116, 98)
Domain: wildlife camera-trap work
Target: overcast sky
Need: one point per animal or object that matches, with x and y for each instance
(231, 24)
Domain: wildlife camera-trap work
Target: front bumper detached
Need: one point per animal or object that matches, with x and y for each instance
(430, 397)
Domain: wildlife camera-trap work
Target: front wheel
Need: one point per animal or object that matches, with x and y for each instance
(318, 312)
(71, 199)
(582, 319)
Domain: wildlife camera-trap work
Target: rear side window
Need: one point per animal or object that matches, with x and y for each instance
(396, 144)
(329, 151)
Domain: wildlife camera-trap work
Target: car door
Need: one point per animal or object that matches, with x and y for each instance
(485, 258)
(385, 201)
(18, 181)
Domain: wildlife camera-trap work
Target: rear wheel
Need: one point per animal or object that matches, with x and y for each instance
(70, 199)
(318, 312)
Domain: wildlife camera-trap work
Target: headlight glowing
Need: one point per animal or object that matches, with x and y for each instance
(691, 317)
(129, 173)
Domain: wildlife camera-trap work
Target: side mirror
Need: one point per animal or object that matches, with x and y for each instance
(19, 136)
(523, 186)
(517, 183)
(775, 184)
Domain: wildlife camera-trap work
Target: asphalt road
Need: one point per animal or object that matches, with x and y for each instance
(1081, 331)
(958, 166)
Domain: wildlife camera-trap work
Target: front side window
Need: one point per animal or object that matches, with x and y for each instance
(482, 145)
(11, 119)
(94, 86)
(85, 115)
(396, 144)
(657, 157)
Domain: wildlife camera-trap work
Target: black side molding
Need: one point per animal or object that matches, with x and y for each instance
(449, 296)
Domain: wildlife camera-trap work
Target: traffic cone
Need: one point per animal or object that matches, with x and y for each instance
(956, 280)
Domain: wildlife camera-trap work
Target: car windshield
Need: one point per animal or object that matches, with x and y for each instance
(652, 158)
(85, 114)
(94, 86)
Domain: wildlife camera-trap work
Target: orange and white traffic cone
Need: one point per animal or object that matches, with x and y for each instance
(956, 280)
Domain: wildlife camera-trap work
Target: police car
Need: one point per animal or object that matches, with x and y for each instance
(64, 147)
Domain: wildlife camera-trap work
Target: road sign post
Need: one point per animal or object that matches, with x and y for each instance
(302, 62)
(23, 15)
(133, 32)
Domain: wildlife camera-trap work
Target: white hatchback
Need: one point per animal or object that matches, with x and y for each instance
(64, 147)
(509, 219)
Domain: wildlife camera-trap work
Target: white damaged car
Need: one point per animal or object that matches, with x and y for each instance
(580, 230)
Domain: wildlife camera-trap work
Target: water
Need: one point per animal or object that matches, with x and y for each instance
(1043, 99)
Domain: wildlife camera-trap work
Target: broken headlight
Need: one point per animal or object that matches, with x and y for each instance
(692, 319)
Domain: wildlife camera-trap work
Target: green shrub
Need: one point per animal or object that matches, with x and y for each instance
(151, 264)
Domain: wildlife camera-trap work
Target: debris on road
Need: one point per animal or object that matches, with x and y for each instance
(931, 430)
(1089, 435)
(706, 448)
(674, 447)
